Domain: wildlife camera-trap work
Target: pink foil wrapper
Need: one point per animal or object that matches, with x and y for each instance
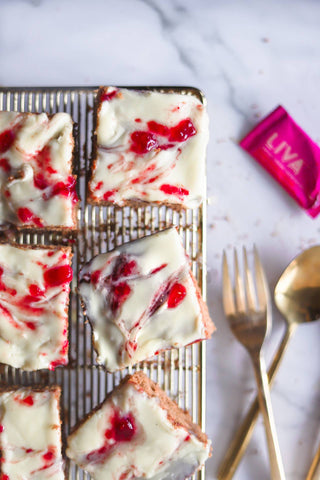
(289, 155)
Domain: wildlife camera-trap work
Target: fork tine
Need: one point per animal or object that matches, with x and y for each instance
(239, 287)
(250, 290)
(228, 298)
(261, 282)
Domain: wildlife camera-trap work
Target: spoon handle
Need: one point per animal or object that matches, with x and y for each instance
(314, 472)
(242, 437)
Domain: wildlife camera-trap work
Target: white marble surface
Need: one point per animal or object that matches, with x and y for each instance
(247, 56)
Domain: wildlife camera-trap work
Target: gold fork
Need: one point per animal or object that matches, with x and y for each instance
(248, 311)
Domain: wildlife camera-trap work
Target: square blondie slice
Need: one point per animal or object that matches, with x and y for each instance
(150, 147)
(30, 434)
(138, 432)
(141, 299)
(38, 189)
(34, 299)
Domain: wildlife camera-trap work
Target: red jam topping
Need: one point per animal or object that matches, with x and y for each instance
(124, 268)
(158, 129)
(131, 346)
(48, 456)
(26, 215)
(118, 290)
(6, 140)
(25, 303)
(181, 132)
(48, 459)
(95, 276)
(157, 269)
(31, 325)
(5, 165)
(7, 315)
(122, 430)
(25, 401)
(108, 95)
(128, 474)
(144, 175)
(3, 476)
(119, 295)
(143, 142)
(35, 291)
(108, 195)
(40, 182)
(1, 428)
(99, 455)
(57, 276)
(43, 169)
(57, 363)
(42, 178)
(176, 295)
(65, 345)
(66, 189)
(173, 190)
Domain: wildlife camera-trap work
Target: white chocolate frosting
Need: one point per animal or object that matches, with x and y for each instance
(30, 437)
(140, 299)
(150, 147)
(36, 184)
(131, 437)
(34, 296)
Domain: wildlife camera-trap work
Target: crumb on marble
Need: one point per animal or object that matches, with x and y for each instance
(254, 451)
(224, 218)
(265, 40)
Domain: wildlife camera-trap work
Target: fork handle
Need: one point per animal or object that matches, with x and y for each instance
(276, 466)
(243, 435)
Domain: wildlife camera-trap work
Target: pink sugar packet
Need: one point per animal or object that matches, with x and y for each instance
(289, 155)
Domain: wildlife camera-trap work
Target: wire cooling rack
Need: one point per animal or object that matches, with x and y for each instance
(181, 373)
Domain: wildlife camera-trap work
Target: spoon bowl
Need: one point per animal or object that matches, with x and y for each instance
(297, 293)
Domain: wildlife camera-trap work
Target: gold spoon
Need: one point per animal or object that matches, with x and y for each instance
(297, 296)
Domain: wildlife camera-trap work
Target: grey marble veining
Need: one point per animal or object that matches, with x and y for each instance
(248, 57)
